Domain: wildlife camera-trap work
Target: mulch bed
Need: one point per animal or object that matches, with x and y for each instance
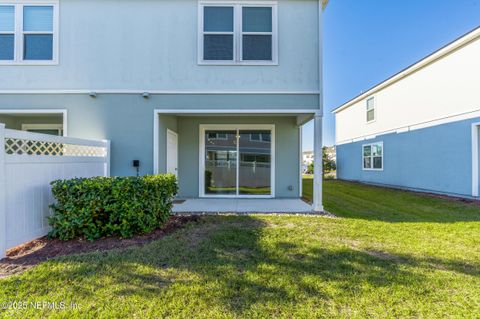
(32, 253)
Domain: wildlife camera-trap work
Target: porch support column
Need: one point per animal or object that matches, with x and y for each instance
(318, 164)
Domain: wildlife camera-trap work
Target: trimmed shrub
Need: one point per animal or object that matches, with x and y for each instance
(111, 206)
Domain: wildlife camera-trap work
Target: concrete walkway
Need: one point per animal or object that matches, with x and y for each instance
(209, 206)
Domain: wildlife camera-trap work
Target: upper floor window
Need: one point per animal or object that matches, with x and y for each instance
(235, 33)
(28, 33)
(371, 109)
(373, 156)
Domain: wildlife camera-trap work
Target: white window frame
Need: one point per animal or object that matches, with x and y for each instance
(206, 127)
(58, 127)
(238, 32)
(371, 157)
(374, 98)
(19, 33)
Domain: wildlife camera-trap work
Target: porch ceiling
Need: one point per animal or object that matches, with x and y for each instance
(303, 116)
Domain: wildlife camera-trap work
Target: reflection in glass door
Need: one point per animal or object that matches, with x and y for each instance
(255, 162)
(238, 162)
(221, 162)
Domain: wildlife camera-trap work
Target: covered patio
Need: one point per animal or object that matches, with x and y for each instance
(241, 205)
(237, 160)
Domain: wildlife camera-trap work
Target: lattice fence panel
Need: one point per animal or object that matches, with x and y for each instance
(15, 146)
(84, 151)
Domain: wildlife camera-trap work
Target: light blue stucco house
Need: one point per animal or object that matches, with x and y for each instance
(213, 91)
(420, 128)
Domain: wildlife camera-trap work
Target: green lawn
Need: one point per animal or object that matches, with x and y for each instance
(392, 254)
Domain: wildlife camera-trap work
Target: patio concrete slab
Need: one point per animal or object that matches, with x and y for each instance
(214, 205)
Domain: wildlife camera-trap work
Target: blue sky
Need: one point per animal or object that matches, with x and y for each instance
(367, 41)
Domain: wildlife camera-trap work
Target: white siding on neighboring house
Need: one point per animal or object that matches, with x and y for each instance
(447, 87)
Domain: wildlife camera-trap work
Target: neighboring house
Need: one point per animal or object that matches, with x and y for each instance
(307, 159)
(213, 91)
(331, 153)
(420, 128)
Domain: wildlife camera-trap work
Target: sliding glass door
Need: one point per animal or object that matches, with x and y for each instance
(237, 161)
(220, 162)
(255, 162)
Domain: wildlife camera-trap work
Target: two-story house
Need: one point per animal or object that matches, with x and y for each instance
(215, 92)
(420, 128)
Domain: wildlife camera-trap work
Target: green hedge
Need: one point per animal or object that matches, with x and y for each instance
(117, 206)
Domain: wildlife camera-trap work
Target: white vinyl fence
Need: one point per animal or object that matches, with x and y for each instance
(28, 163)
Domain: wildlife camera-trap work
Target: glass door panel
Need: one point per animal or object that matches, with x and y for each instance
(220, 162)
(255, 161)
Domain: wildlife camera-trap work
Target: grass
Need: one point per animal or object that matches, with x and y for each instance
(392, 254)
(307, 187)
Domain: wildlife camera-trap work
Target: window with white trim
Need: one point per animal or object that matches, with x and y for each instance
(371, 109)
(373, 156)
(50, 129)
(28, 32)
(236, 33)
